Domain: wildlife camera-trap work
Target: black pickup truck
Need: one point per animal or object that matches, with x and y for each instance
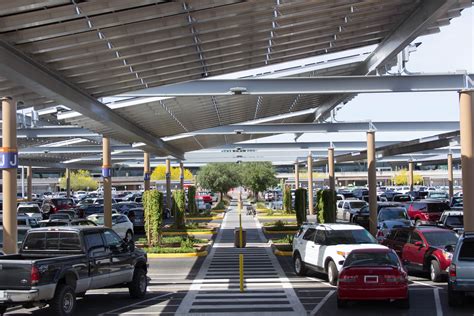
(54, 264)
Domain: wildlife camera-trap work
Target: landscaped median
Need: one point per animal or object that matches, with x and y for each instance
(176, 247)
(282, 246)
(280, 227)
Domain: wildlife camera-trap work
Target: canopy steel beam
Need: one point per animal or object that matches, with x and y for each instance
(23, 70)
(58, 165)
(322, 128)
(424, 15)
(312, 85)
(76, 149)
(54, 131)
(413, 146)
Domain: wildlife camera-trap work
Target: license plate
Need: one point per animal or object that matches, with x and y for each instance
(3, 295)
(371, 279)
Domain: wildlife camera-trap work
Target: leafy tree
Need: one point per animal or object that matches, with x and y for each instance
(219, 177)
(301, 195)
(153, 210)
(402, 178)
(159, 173)
(287, 199)
(192, 207)
(258, 176)
(80, 180)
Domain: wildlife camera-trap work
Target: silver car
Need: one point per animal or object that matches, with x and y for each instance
(461, 270)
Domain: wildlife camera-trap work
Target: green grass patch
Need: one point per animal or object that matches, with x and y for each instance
(288, 239)
(282, 228)
(182, 240)
(284, 247)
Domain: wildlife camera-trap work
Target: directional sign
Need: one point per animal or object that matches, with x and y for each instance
(8, 158)
(106, 172)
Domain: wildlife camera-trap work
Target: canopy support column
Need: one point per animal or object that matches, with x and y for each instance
(372, 181)
(466, 102)
(107, 176)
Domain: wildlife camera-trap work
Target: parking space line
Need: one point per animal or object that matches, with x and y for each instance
(439, 308)
(136, 304)
(321, 304)
(322, 282)
(427, 284)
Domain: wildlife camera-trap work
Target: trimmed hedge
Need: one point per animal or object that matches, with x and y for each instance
(287, 200)
(300, 205)
(179, 205)
(153, 214)
(326, 206)
(192, 207)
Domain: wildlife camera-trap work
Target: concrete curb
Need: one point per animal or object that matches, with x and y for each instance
(282, 253)
(203, 218)
(276, 216)
(177, 255)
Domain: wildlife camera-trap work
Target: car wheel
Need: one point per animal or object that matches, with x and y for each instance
(299, 266)
(455, 298)
(129, 235)
(3, 309)
(341, 303)
(435, 271)
(332, 273)
(137, 288)
(64, 300)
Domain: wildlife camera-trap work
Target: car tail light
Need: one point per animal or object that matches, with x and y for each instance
(348, 278)
(452, 270)
(35, 275)
(380, 233)
(395, 278)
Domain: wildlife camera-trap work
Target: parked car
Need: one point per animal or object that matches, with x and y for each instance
(453, 220)
(417, 195)
(456, 201)
(402, 198)
(124, 206)
(53, 266)
(53, 205)
(206, 197)
(438, 195)
(425, 249)
(120, 224)
(389, 218)
(62, 222)
(203, 206)
(62, 216)
(461, 271)
(100, 201)
(387, 226)
(136, 216)
(427, 210)
(352, 207)
(31, 210)
(361, 217)
(372, 274)
(324, 247)
(360, 192)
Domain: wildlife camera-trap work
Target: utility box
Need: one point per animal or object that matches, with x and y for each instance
(237, 238)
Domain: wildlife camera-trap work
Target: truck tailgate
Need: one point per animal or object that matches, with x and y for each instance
(15, 274)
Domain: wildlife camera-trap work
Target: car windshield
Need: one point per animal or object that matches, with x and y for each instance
(402, 198)
(52, 223)
(59, 216)
(392, 214)
(455, 220)
(437, 207)
(441, 238)
(361, 259)
(466, 253)
(353, 236)
(357, 204)
(28, 209)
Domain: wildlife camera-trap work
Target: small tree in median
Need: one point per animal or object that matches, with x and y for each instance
(258, 176)
(179, 206)
(153, 209)
(326, 206)
(219, 177)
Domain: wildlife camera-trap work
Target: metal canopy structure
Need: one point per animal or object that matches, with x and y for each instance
(65, 59)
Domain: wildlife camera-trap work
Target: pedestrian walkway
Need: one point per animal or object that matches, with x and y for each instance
(216, 287)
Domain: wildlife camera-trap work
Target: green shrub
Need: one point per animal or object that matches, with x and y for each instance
(269, 212)
(220, 205)
(300, 205)
(192, 206)
(279, 224)
(261, 205)
(153, 215)
(287, 199)
(288, 239)
(179, 205)
(326, 206)
(170, 250)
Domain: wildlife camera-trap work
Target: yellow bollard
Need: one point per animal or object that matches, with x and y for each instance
(241, 268)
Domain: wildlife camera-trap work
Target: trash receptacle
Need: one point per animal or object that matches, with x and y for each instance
(237, 237)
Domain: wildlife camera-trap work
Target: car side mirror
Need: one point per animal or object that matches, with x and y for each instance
(341, 262)
(418, 244)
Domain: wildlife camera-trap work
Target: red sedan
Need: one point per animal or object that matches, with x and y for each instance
(372, 274)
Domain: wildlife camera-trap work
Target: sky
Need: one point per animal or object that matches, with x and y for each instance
(450, 50)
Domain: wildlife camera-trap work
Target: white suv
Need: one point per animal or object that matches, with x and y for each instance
(324, 247)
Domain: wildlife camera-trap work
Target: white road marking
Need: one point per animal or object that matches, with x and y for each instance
(427, 284)
(439, 309)
(321, 304)
(322, 282)
(136, 304)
